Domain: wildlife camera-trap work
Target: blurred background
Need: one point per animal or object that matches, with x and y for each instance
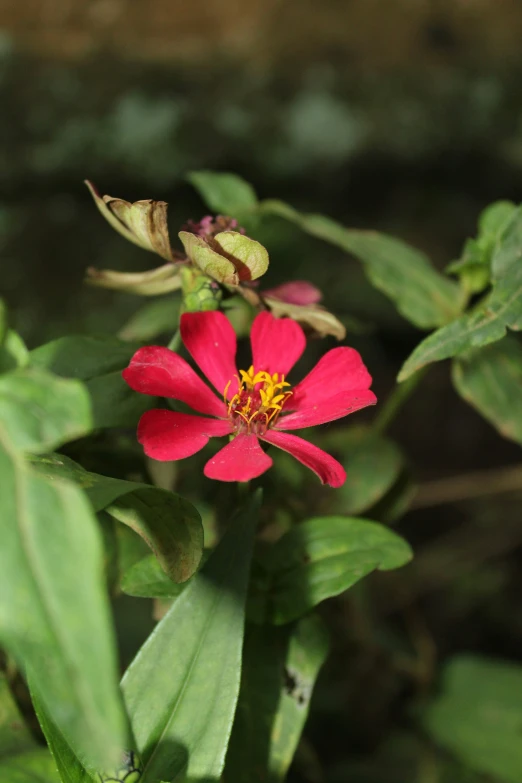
(399, 115)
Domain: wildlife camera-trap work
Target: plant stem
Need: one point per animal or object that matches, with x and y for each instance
(395, 401)
(175, 343)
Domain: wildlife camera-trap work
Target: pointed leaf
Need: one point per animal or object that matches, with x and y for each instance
(487, 323)
(169, 524)
(160, 316)
(211, 263)
(144, 223)
(506, 222)
(54, 614)
(478, 715)
(323, 557)
(181, 690)
(404, 274)
(40, 411)
(280, 666)
(490, 379)
(225, 193)
(161, 280)
(146, 579)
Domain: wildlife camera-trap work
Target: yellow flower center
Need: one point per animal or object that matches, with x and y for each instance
(259, 400)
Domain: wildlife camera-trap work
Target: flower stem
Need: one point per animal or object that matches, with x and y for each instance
(175, 343)
(395, 401)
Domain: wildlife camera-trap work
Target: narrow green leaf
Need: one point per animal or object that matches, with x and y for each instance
(169, 524)
(34, 766)
(487, 323)
(40, 411)
(324, 556)
(490, 379)
(15, 737)
(478, 715)
(69, 766)
(54, 615)
(280, 666)
(181, 690)
(223, 192)
(404, 274)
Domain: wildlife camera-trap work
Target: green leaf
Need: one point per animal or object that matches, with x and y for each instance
(54, 614)
(181, 689)
(404, 274)
(490, 379)
(478, 715)
(323, 557)
(373, 464)
(13, 352)
(487, 323)
(35, 766)
(224, 193)
(83, 357)
(505, 224)
(40, 411)
(98, 362)
(169, 524)
(70, 768)
(15, 737)
(146, 579)
(4, 322)
(280, 666)
(160, 316)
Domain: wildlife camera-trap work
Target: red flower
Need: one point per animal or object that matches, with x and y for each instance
(257, 404)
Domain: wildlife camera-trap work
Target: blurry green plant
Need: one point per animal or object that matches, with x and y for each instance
(221, 689)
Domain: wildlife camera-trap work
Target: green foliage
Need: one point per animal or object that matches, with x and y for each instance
(98, 362)
(39, 411)
(146, 579)
(474, 267)
(280, 666)
(225, 193)
(321, 558)
(14, 734)
(478, 713)
(490, 379)
(182, 688)
(160, 316)
(488, 322)
(54, 616)
(168, 523)
(34, 766)
(373, 465)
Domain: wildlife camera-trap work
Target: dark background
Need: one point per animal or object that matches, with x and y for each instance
(399, 115)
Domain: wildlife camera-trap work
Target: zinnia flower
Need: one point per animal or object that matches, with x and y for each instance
(257, 404)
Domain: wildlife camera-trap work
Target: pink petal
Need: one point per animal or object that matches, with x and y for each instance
(339, 370)
(240, 460)
(336, 407)
(167, 435)
(298, 292)
(211, 341)
(277, 343)
(162, 373)
(327, 468)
